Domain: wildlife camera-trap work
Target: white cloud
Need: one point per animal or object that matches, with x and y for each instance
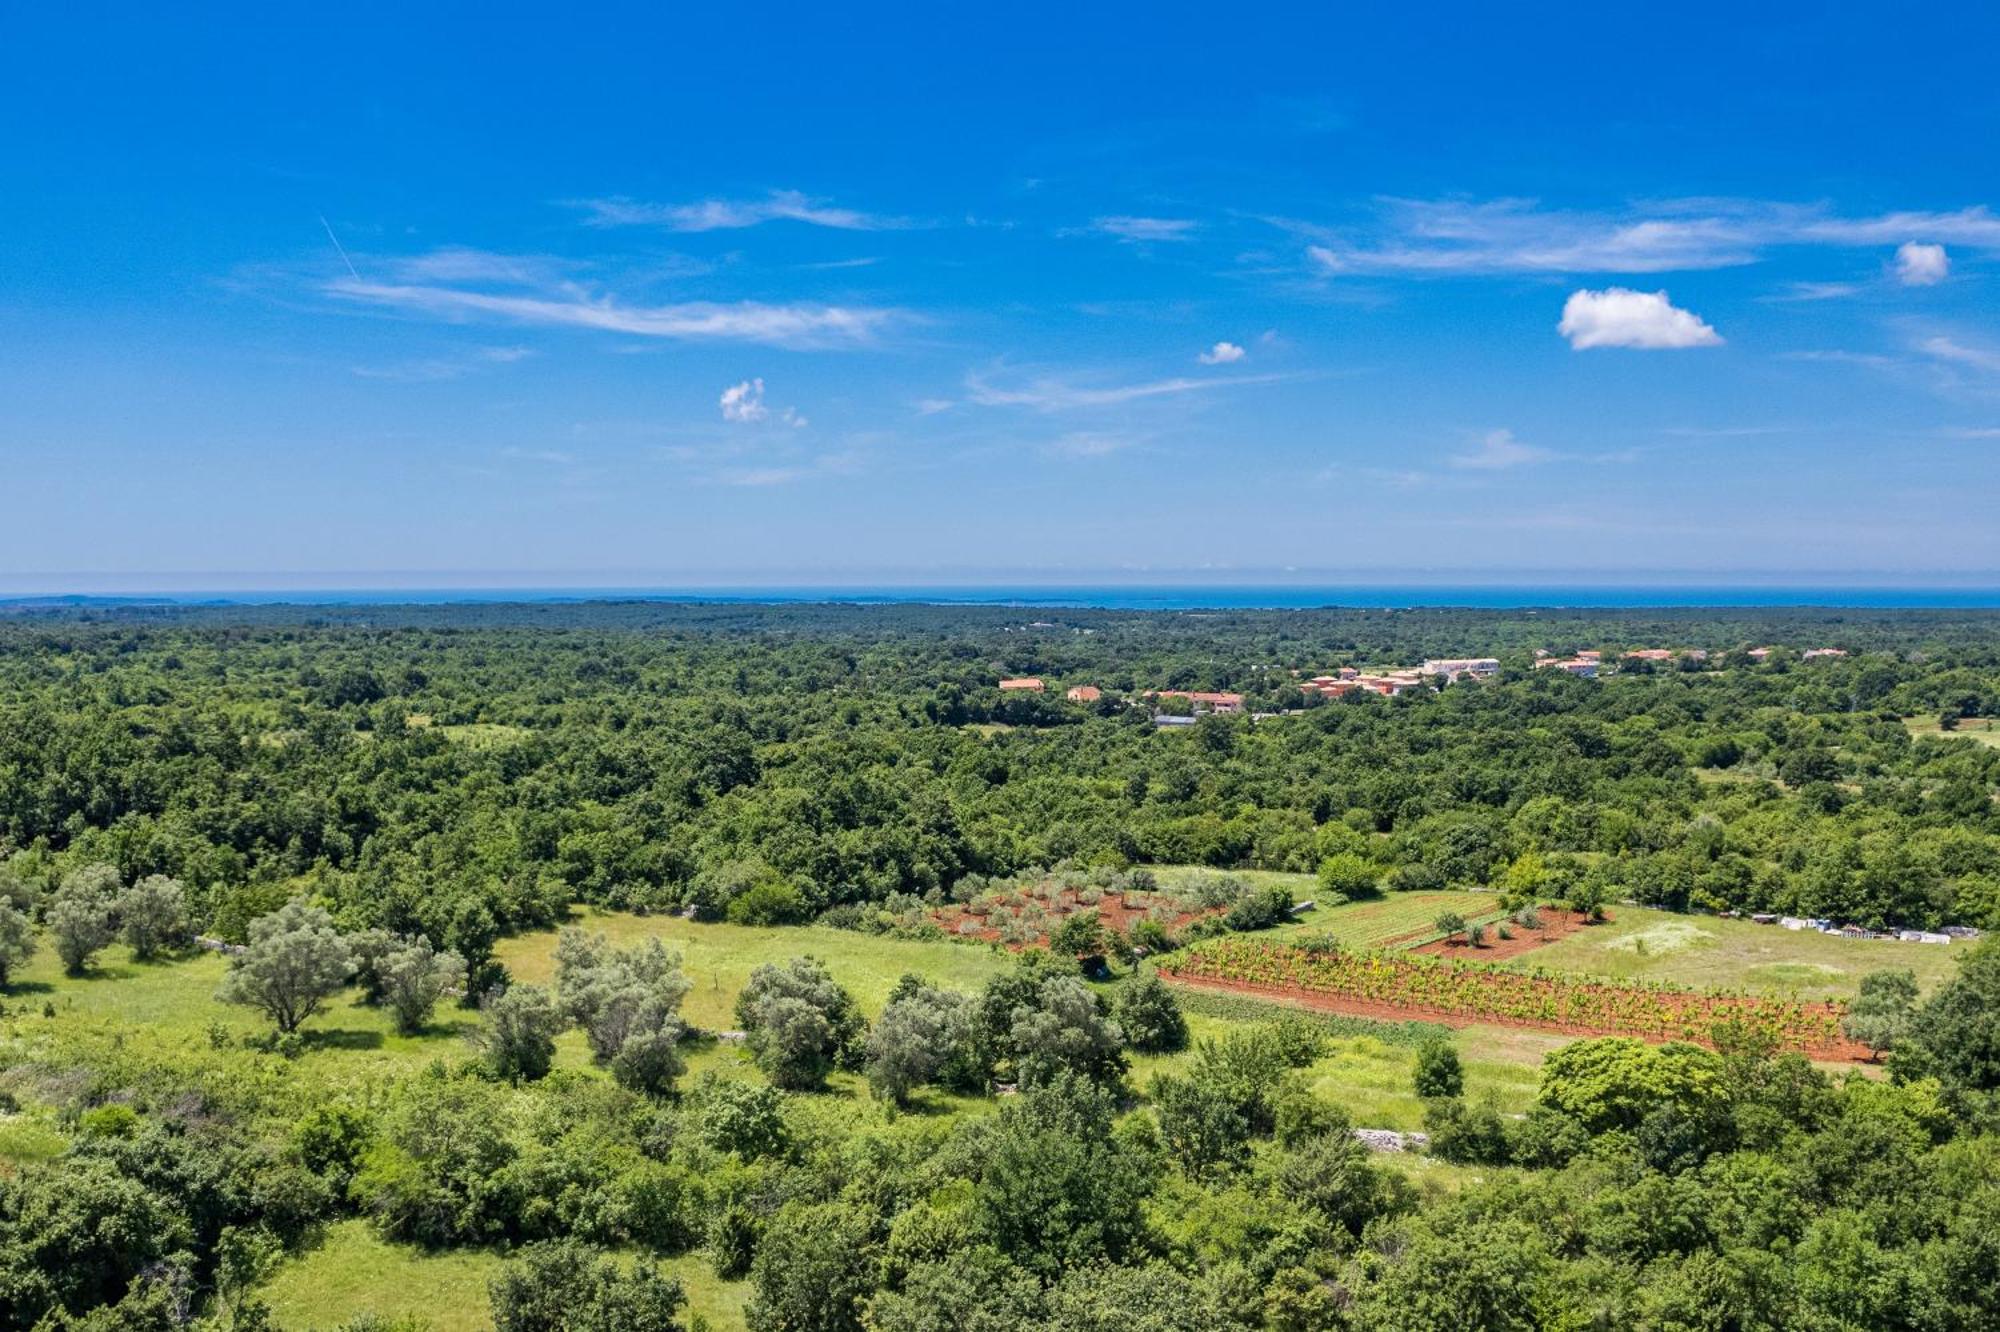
(440, 368)
(793, 325)
(1621, 317)
(1498, 449)
(733, 214)
(1816, 291)
(1054, 395)
(1986, 360)
(1223, 353)
(1413, 236)
(1142, 229)
(744, 402)
(1921, 265)
(1090, 444)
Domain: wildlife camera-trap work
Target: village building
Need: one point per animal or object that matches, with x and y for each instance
(1084, 694)
(1029, 683)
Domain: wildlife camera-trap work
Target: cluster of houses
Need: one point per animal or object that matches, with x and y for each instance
(1820, 925)
(1350, 679)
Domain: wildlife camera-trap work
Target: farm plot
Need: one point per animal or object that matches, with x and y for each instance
(1400, 985)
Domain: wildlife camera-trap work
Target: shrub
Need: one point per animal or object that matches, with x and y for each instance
(1439, 1072)
(770, 902)
(17, 941)
(414, 977)
(800, 1024)
(153, 915)
(1150, 1017)
(520, 1033)
(568, 1286)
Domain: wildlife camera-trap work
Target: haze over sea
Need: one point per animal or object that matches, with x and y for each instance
(1106, 596)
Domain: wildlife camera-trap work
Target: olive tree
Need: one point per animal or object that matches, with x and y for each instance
(414, 977)
(799, 1023)
(152, 915)
(921, 1033)
(1065, 1029)
(17, 941)
(520, 1033)
(296, 962)
(628, 1003)
(79, 915)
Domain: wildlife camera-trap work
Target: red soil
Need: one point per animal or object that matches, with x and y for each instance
(1556, 924)
(1112, 910)
(1842, 1051)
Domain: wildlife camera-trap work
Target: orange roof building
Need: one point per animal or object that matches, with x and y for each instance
(1084, 694)
(1030, 683)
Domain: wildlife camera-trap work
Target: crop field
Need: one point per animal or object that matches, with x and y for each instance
(1400, 985)
(168, 1009)
(1711, 952)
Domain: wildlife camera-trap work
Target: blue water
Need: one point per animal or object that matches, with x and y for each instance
(1155, 597)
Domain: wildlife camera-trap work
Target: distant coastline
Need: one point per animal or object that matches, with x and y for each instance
(1161, 597)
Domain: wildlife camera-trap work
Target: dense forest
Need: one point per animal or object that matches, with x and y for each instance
(411, 765)
(354, 807)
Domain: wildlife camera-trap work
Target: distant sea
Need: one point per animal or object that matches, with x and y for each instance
(1117, 597)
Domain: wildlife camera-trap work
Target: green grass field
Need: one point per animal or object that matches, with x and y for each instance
(167, 1010)
(719, 958)
(1707, 951)
(1985, 730)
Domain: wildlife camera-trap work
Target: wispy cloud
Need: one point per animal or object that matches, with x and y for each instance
(1143, 230)
(1501, 236)
(1054, 395)
(1621, 317)
(797, 325)
(437, 368)
(734, 214)
(1091, 444)
(554, 457)
(1498, 449)
(1815, 291)
(1950, 350)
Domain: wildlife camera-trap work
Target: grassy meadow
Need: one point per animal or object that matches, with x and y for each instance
(167, 1008)
(1708, 951)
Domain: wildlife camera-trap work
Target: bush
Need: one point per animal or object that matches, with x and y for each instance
(1150, 1017)
(1439, 1072)
(770, 902)
(153, 915)
(1259, 909)
(1345, 875)
(799, 1023)
(520, 1033)
(1467, 1134)
(568, 1286)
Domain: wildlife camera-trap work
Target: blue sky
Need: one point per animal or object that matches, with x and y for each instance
(1060, 293)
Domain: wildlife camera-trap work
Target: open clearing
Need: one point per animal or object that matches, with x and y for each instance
(170, 1007)
(1715, 953)
(1985, 730)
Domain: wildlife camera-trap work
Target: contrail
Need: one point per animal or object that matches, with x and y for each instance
(339, 247)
